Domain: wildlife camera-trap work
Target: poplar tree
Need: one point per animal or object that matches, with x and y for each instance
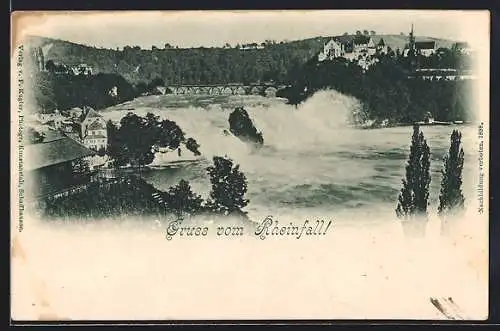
(414, 195)
(451, 199)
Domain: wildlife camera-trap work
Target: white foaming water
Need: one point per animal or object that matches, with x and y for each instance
(312, 163)
(319, 121)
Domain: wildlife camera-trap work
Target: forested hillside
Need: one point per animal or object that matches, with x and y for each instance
(66, 91)
(273, 61)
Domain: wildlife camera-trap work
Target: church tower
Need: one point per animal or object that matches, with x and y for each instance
(411, 43)
(412, 51)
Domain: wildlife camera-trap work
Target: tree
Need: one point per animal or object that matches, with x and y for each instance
(181, 199)
(157, 81)
(50, 66)
(141, 88)
(169, 134)
(414, 195)
(451, 199)
(138, 139)
(116, 149)
(229, 186)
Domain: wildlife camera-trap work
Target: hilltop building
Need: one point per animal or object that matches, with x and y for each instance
(361, 43)
(331, 50)
(360, 49)
(414, 48)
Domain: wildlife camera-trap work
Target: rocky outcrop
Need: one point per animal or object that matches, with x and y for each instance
(242, 127)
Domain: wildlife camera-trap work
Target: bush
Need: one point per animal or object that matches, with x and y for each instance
(34, 137)
(229, 186)
(193, 146)
(181, 199)
(101, 199)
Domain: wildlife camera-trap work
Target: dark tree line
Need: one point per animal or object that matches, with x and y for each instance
(62, 91)
(191, 66)
(385, 89)
(132, 195)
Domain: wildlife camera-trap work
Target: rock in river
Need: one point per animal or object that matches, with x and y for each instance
(242, 127)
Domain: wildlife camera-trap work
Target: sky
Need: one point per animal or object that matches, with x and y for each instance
(215, 28)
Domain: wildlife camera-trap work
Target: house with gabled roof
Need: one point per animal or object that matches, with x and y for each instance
(93, 132)
(49, 166)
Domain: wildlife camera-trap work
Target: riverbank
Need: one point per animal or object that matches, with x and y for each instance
(410, 124)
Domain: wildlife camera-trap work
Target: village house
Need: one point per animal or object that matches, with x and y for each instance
(69, 69)
(49, 166)
(113, 92)
(93, 132)
(55, 119)
(80, 69)
(75, 112)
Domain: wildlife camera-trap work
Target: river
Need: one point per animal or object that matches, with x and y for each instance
(313, 164)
